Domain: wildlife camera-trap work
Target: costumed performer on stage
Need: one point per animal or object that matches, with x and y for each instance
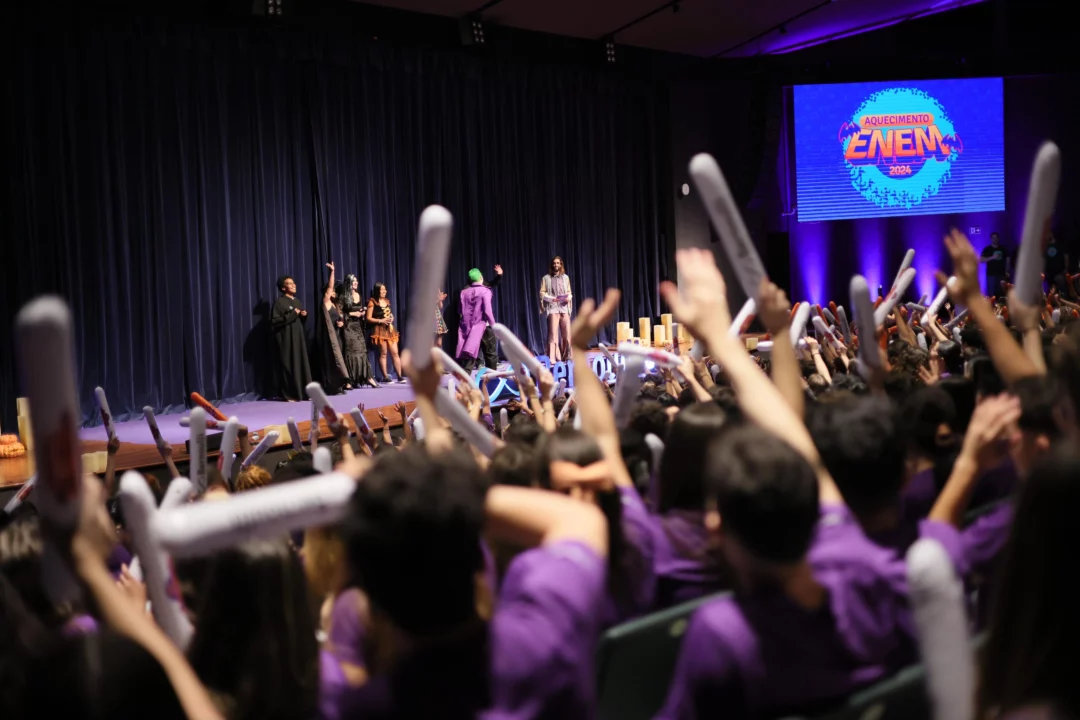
(474, 332)
(288, 317)
(332, 373)
(556, 301)
(381, 319)
(355, 349)
(440, 323)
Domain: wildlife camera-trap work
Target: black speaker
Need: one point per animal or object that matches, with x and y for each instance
(778, 259)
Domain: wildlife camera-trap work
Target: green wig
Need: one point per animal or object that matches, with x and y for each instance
(475, 275)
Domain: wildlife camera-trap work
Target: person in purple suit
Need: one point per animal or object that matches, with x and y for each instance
(819, 610)
(423, 510)
(474, 332)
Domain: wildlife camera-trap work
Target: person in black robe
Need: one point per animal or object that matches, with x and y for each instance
(288, 317)
(331, 369)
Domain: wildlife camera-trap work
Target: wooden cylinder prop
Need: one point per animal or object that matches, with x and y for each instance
(644, 330)
(622, 332)
(667, 320)
(659, 336)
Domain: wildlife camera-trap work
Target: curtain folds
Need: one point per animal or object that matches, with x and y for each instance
(162, 176)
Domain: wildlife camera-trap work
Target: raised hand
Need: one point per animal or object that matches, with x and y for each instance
(383, 417)
(425, 383)
(547, 383)
(498, 270)
(331, 266)
(992, 427)
(773, 307)
(402, 408)
(701, 306)
(114, 446)
(1024, 317)
(591, 318)
(965, 268)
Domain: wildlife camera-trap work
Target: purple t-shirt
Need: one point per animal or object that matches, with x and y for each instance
(919, 494)
(685, 566)
(762, 654)
(638, 529)
(534, 659)
(982, 544)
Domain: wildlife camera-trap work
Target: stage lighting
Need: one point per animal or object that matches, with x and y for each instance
(609, 47)
(684, 190)
(471, 30)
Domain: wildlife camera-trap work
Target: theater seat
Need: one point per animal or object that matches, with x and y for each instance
(900, 697)
(635, 661)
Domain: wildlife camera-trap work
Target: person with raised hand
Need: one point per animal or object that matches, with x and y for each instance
(1009, 358)
(819, 610)
(588, 464)
(93, 540)
(774, 311)
(533, 657)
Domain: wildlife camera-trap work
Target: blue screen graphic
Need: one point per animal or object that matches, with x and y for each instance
(885, 149)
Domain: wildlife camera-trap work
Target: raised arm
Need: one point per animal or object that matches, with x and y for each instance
(704, 310)
(597, 419)
(984, 447)
(1008, 357)
(329, 285)
(1026, 319)
(774, 310)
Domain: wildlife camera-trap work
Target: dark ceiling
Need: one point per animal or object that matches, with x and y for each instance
(704, 28)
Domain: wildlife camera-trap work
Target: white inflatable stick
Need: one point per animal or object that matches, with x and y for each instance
(265, 444)
(1042, 195)
(106, 414)
(728, 223)
(749, 308)
(268, 512)
(890, 300)
(869, 353)
(139, 513)
(45, 351)
(937, 598)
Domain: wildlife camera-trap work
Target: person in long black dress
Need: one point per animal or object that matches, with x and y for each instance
(355, 350)
(332, 373)
(288, 317)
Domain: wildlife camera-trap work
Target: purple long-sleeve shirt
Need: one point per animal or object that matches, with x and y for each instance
(476, 316)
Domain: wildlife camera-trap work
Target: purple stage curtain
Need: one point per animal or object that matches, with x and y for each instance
(161, 176)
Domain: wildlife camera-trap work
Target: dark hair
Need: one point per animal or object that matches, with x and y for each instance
(767, 493)
(567, 445)
(23, 640)
(1034, 628)
(298, 467)
(523, 429)
(637, 456)
(551, 265)
(21, 547)
(862, 448)
(962, 392)
(686, 453)
(101, 675)
(1039, 396)
(413, 529)
(649, 416)
(921, 414)
(953, 356)
(255, 638)
(515, 463)
(281, 282)
(850, 383)
(375, 294)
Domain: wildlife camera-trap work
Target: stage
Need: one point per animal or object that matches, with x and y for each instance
(138, 451)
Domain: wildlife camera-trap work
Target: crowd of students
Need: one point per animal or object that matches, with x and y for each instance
(459, 585)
